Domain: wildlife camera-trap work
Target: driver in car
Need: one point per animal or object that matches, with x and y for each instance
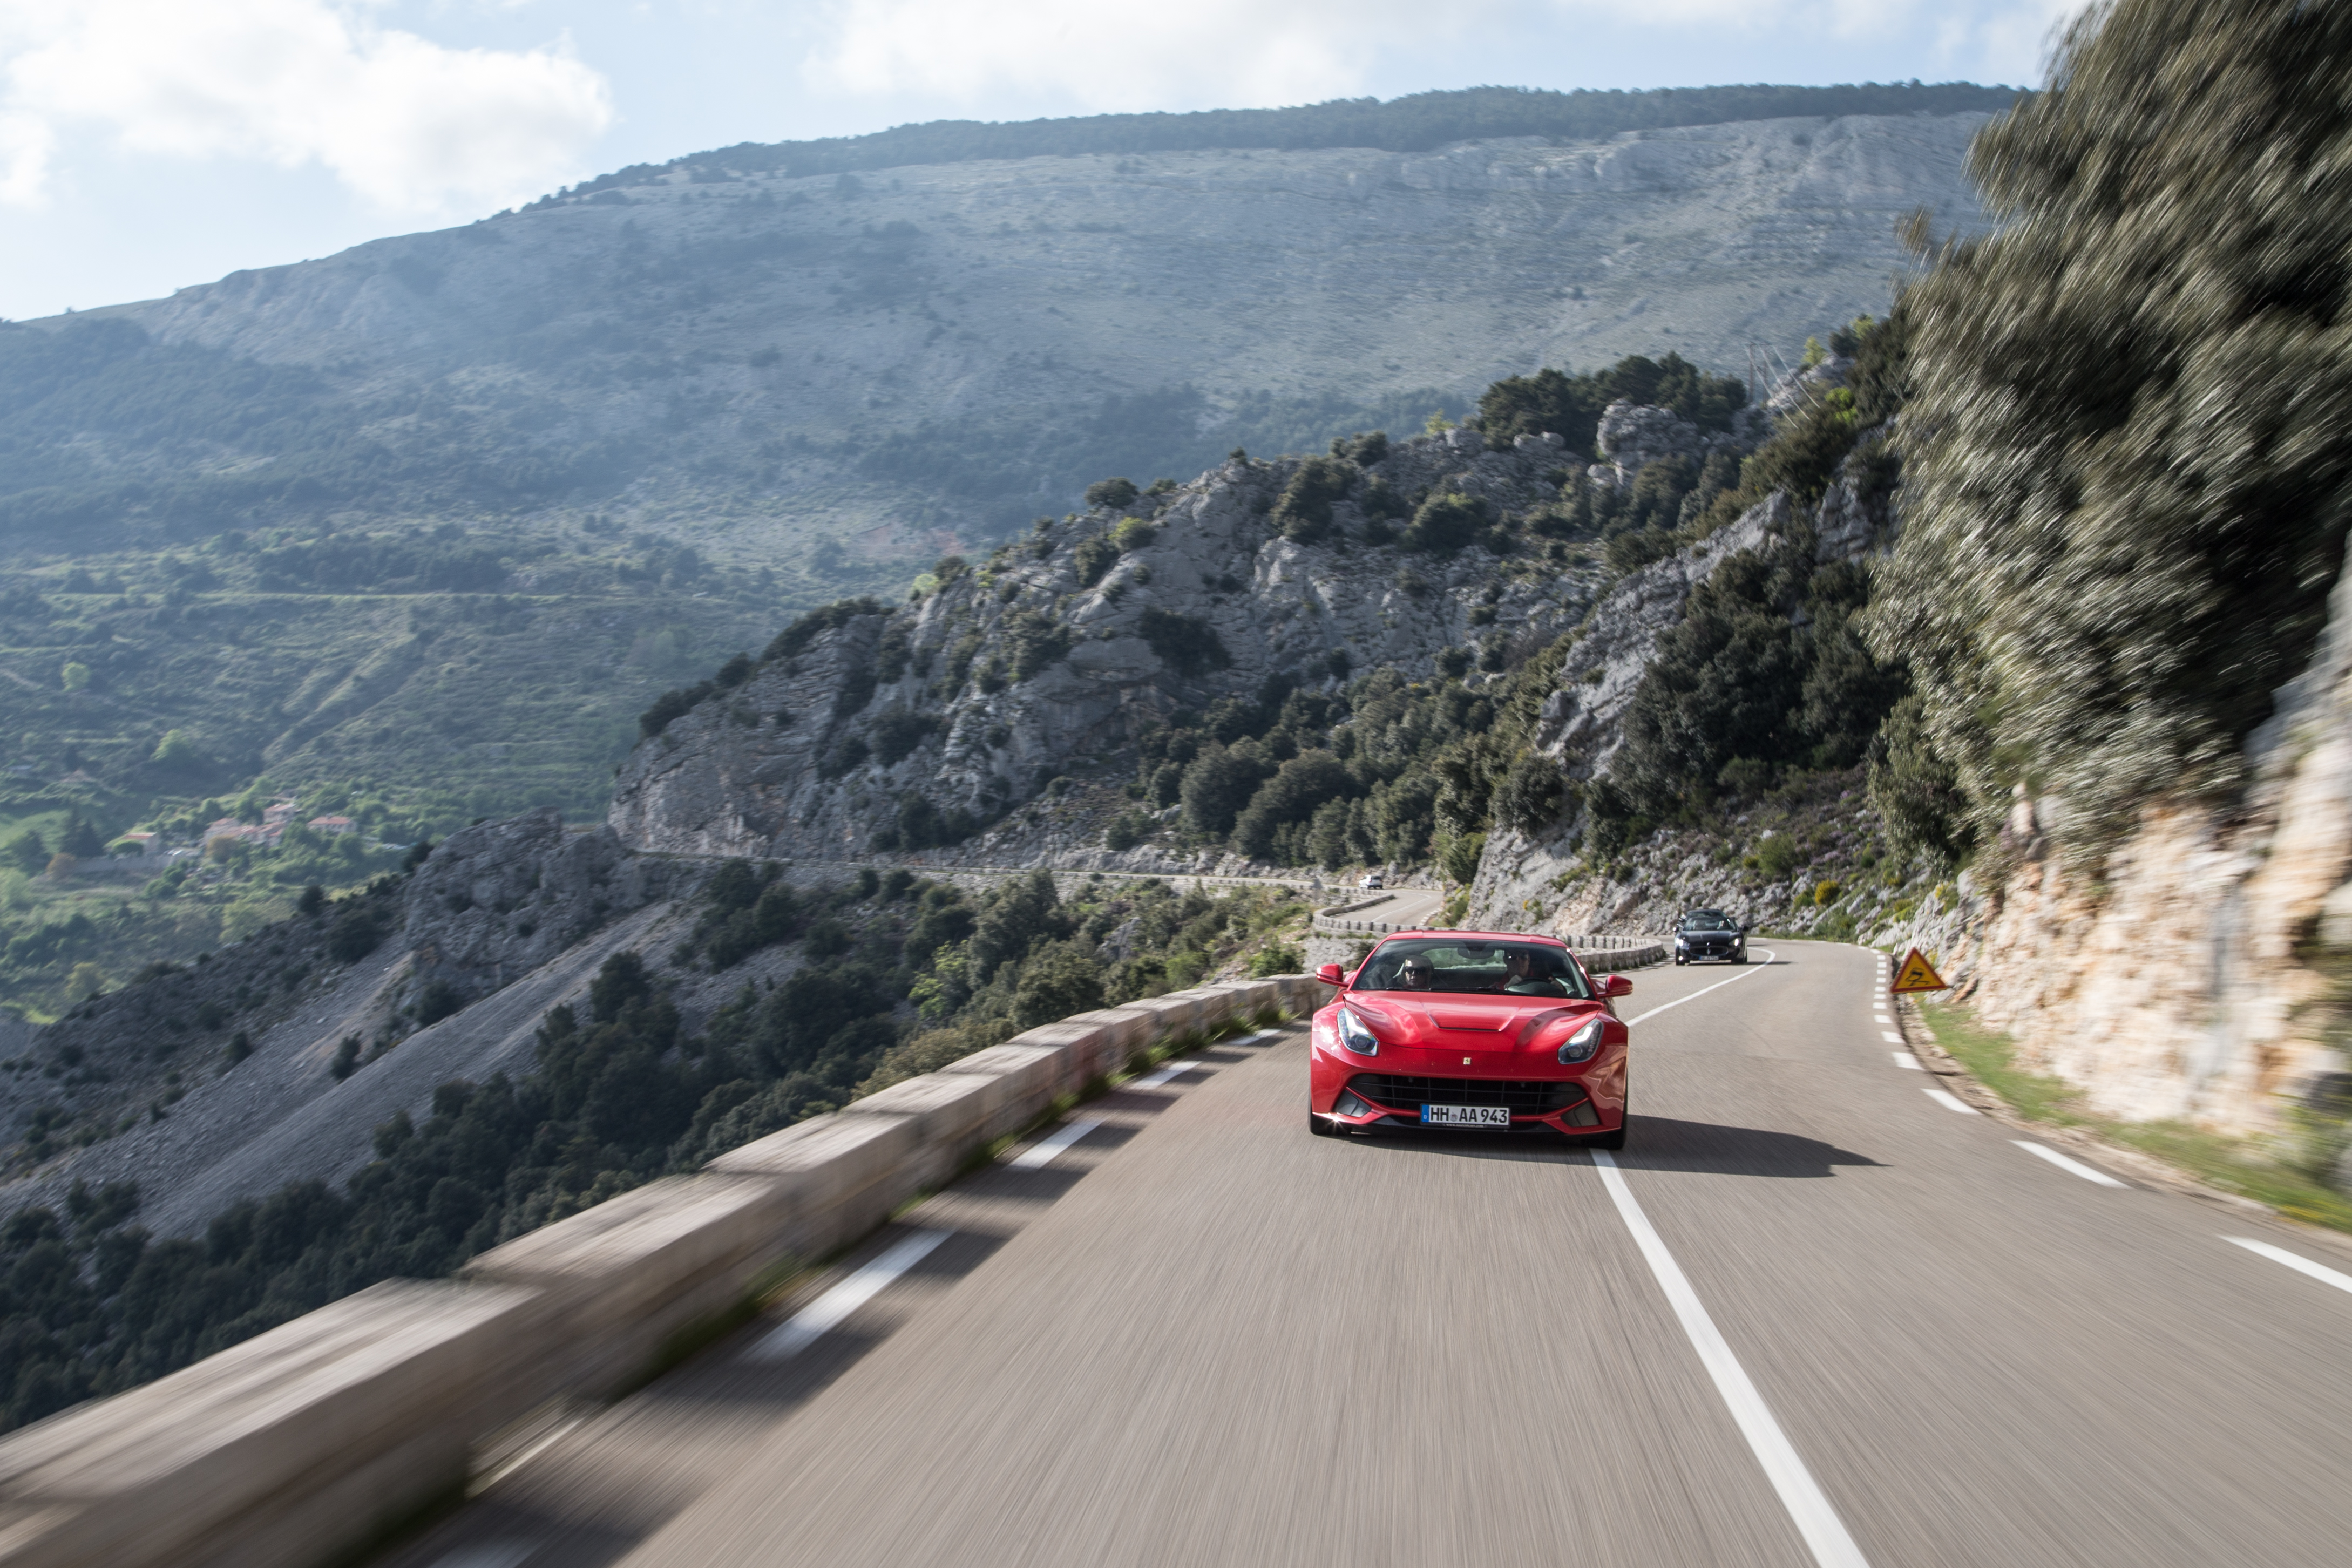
(1525, 977)
(1418, 974)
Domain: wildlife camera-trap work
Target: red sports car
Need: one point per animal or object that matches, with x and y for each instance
(1470, 1028)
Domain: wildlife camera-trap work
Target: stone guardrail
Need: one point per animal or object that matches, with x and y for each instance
(1351, 909)
(308, 1442)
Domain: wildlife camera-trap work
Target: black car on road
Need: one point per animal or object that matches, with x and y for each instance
(1709, 934)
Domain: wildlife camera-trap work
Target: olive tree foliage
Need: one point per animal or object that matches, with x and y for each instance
(2128, 451)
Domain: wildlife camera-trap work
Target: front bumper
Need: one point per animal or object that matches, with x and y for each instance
(1696, 952)
(1390, 1089)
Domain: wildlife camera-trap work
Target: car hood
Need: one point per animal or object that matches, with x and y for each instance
(1471, 1023)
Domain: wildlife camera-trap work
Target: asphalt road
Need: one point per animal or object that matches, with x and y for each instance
(1810, 1316)
(1404, 908)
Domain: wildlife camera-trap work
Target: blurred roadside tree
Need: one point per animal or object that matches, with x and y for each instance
(2128, 458)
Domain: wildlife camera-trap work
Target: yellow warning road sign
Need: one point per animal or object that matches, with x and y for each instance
(1917, 974)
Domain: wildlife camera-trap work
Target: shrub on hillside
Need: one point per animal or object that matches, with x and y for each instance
(1445, 523)
(2131, 482)
(1094, 556)
(1111, 495)
(1303, 512)
(1189, 646)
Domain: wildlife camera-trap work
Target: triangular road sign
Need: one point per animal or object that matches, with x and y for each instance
(1917, 974)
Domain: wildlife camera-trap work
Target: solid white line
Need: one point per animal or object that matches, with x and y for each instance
(2324, 1275)
(1155, 1079)
(809, 1324)
(2063, 1164)
(1703, 990)
(1904, 1059)
(1890, 1037)
(1949, 1102)
(1815, 1519)
(1046, 1151)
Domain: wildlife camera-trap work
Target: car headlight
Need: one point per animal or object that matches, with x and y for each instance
(1582, 1043)
(1356, 1037)
(1681, 941)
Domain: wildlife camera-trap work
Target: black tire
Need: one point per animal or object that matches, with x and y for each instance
(1319, 1127)
(1740, 957)
(1615, 1140)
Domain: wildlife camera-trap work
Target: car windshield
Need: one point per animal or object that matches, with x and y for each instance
(1456, 965)
(1708, 920)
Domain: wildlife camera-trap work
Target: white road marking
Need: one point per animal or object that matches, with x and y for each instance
(1046, 1151)
(809, 1324)
(1890, 1037)
(1950, 1101)
(1904, 1059)
(490, 1554)
(1154, 1080)
(1808, 1508)
(1703, 990)
(2063, 1164)
(2301, 1265)
(546, 1440)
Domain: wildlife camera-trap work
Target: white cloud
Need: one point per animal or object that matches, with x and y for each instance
(408, 125)
(1094, 56)
(2014, 41)
(1111, 58)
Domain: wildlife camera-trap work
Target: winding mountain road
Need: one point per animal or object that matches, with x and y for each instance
(1810, 1314)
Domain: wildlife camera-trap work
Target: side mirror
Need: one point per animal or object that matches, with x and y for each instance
(1329, 975)
(1615, 985)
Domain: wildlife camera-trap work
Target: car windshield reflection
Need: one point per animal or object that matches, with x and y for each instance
(1455, 967)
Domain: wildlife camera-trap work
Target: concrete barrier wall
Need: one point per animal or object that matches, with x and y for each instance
(304, 1444)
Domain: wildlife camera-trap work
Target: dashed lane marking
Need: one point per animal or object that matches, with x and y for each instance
(809, 1324)
(1904, 1059)
(1809, 1509)
(1162, 1076)
(2300, 1264)
(1046, 1151)
(2074, 1166)
(490, 1554)
(1950, 1101)
(1661, 1006)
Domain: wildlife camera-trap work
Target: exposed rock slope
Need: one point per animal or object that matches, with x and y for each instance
(519, 912)
(886, 727)
(1548, 877)
(2202, 970)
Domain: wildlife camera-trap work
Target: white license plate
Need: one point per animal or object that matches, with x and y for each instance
(1466, 1115)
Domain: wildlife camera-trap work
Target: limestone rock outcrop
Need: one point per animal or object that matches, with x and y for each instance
(888, 728)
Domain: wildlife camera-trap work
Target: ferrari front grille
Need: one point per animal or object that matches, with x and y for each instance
(1523, 1097)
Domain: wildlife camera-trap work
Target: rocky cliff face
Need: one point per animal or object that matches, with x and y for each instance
(748, 360)
(1548, 878)
(2202, 970)
(502, 898)
(901, 727)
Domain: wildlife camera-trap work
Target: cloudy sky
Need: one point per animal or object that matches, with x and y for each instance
(146, 144)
